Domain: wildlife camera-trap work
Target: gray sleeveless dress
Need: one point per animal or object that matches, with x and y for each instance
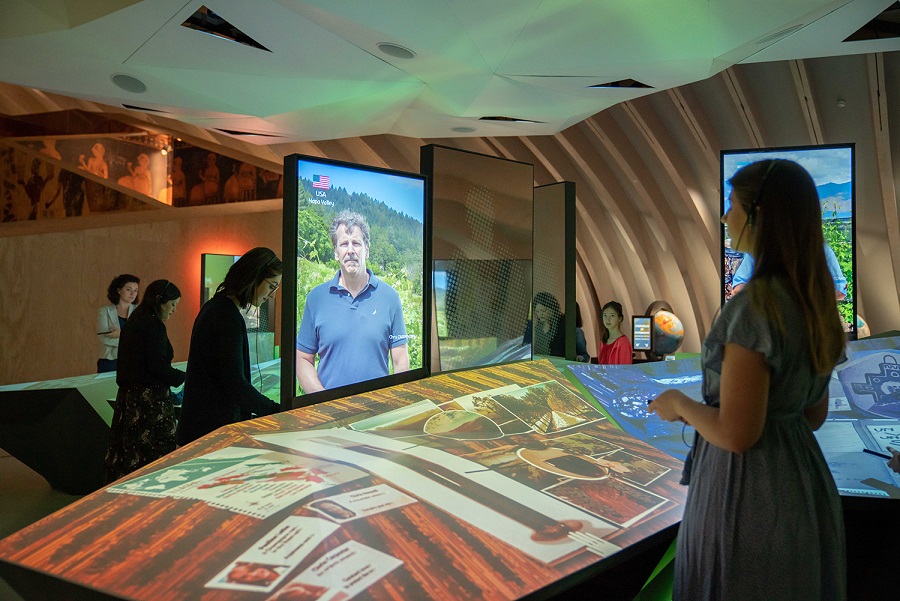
(767, 523)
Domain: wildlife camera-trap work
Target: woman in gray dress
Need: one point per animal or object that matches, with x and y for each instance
(763, 518)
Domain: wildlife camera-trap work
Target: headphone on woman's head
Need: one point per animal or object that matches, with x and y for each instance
(751, 212)
(163, 293)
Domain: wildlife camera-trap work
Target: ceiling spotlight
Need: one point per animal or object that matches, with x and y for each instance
(129, 83)
(841, 103)
(165, 149)
(395, 50)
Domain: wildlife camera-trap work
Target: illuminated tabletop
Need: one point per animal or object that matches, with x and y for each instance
(495, 483)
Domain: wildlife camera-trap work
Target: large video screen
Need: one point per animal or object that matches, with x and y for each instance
(354, 288)
(832, 168)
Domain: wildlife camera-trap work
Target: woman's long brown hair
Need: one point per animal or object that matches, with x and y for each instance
(785, 225)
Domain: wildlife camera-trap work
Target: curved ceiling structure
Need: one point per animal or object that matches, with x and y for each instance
(645, 164)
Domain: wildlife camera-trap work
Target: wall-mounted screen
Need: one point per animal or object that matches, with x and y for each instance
(354, 288)
(642, 333)
(832, 168)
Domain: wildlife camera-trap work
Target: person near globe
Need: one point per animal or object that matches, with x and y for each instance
(615, 347)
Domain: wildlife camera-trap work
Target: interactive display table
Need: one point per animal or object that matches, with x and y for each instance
(863, 415)
(495, 483)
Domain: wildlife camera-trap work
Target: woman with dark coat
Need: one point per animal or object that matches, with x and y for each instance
(143, 424)
(218, 390)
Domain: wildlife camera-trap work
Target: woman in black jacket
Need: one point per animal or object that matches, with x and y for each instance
(143, 424)
(218, 390)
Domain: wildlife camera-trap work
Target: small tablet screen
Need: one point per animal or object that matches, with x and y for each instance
(642, 328)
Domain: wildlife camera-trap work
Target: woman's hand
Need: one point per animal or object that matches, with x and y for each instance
(668, 405)
(894, 463)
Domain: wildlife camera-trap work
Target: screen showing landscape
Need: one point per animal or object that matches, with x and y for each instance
(354, 287)
(832, 168)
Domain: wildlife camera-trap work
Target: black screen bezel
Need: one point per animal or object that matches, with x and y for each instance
(762, 152)
(289, 289)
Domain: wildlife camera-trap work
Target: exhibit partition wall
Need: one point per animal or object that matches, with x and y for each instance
(355, 292)
(482, 250)
(554, 270)
(833, 169)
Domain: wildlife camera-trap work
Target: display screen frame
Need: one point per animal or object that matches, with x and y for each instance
(290, 322)
(467, 190)
(810, 157)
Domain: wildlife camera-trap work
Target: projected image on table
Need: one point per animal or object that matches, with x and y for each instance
(625, 390)
(863, 413)
(523, 461)
(410, 498)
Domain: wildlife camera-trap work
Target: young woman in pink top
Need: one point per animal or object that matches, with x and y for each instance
(615, 347)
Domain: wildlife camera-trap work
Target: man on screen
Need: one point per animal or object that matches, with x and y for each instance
(351, 321)
(745, 270)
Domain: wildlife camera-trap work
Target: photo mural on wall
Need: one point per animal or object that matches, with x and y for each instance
(201, 177)
(53, 177)
(134, 161)
(33, 188)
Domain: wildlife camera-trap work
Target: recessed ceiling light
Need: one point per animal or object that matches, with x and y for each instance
(129, 83)
(463, 130)
(396, 50)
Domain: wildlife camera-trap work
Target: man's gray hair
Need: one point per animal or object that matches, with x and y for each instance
(350, 220)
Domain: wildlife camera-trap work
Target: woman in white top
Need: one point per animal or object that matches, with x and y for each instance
(123, 297)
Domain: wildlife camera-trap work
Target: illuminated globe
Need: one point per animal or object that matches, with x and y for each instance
(668, 332)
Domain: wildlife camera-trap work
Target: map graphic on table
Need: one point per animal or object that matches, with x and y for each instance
(863, 413)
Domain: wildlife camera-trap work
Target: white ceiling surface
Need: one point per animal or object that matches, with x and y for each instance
(326, 79)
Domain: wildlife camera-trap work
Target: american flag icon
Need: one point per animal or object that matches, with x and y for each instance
(321, 181)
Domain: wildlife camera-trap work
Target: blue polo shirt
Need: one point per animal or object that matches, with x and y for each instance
(745, 270)
(352, 336)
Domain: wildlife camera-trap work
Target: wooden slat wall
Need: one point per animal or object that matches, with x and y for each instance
(646, 175)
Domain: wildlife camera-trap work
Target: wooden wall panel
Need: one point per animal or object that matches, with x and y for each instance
(55, 283)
